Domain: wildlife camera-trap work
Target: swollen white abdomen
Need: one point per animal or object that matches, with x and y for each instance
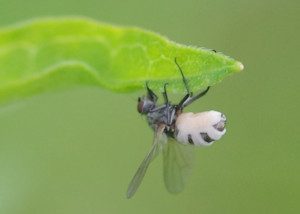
(200, 129)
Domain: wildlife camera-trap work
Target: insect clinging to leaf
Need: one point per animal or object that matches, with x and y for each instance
(176, 134)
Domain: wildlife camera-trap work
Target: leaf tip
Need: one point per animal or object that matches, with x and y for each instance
(238, 66)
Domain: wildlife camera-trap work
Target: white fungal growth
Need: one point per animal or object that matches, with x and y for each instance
(200, 129)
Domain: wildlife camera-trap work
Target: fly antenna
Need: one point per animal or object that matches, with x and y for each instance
(183, 78)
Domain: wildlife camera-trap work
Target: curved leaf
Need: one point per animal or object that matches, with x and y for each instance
(48, 54)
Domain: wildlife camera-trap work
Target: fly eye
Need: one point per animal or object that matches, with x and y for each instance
(140, 105)
(145, 105)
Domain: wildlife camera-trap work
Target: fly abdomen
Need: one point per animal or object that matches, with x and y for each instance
(200, 129)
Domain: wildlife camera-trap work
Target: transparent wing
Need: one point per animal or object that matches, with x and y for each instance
(178, 161)
(159, 139)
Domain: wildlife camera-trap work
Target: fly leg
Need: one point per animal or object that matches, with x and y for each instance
(167, 104)
(184, 79)
(189, 93)
(150, 94)
(165, 95)
(188, 98)
(153, 97)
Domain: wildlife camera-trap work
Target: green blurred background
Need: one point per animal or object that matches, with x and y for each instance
(75, 151)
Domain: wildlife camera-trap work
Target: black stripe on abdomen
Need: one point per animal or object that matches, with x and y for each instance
(190, 139)
(206, 138)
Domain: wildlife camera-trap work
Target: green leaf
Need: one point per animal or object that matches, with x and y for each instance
(51, 54)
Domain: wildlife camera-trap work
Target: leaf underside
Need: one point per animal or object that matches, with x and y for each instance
(56, 53)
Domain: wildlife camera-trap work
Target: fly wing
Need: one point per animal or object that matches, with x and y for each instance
(140, 173)
(178, 161)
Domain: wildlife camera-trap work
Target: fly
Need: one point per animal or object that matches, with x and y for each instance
(176, 133)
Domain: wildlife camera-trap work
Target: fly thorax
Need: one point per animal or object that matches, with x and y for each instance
(156, 117)
(201, 129)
